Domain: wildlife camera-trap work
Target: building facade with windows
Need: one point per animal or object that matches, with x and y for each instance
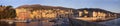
(40, 12)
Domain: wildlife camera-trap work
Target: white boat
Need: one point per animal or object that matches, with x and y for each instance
(10, 22)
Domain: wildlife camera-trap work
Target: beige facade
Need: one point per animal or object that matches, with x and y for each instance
(44, 14)
(22, 13)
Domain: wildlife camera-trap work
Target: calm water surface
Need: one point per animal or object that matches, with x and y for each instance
(37, 23)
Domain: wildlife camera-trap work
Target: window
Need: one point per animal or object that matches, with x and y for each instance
(85, 11)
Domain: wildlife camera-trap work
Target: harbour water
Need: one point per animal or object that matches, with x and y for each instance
(36, 23)
(62, 22)
(55, 22)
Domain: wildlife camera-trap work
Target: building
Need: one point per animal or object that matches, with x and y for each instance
(45, 12)
(22, 13)
(95, 14)
(41, 12)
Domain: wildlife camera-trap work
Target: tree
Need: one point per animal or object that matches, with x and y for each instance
(8, 12)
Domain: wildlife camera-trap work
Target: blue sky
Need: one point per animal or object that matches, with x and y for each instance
(110, 5)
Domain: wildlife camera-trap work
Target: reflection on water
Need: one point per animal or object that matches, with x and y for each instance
(48, 22)
(36, 23)
(6, 24)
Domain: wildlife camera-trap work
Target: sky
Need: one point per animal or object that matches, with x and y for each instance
(109, 5)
